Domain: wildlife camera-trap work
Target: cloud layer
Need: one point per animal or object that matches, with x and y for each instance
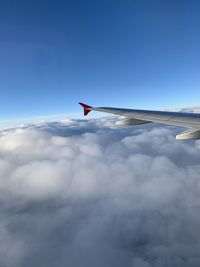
(84, 193)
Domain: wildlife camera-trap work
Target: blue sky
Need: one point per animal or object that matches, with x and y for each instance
(140, 54)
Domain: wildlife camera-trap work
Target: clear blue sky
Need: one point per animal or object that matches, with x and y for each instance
(140, 54)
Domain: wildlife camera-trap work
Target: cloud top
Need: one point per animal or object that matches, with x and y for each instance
(84, 193)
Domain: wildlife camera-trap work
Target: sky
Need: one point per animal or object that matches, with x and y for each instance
(83, 192)
(140, 54)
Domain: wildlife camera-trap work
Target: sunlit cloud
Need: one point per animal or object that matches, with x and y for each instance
(87, 193)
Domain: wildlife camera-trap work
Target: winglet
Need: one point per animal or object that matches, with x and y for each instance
(86, 108)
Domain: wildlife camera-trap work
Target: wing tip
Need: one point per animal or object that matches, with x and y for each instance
(86, 108)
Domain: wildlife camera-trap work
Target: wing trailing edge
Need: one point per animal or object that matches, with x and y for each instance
(190, 134)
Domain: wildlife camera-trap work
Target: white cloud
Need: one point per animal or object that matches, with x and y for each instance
(85, 193)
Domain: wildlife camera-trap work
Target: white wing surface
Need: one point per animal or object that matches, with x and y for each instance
(136, 116)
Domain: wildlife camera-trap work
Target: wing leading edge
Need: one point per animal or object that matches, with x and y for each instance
(136, 116)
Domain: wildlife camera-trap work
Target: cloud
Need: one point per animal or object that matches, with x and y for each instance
(85, 193)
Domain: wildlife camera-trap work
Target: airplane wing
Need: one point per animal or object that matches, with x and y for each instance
(137, 116)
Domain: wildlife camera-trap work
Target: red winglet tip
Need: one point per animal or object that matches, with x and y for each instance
(86, 108)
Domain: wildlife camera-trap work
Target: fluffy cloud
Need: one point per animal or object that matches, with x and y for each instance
(84, 193)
